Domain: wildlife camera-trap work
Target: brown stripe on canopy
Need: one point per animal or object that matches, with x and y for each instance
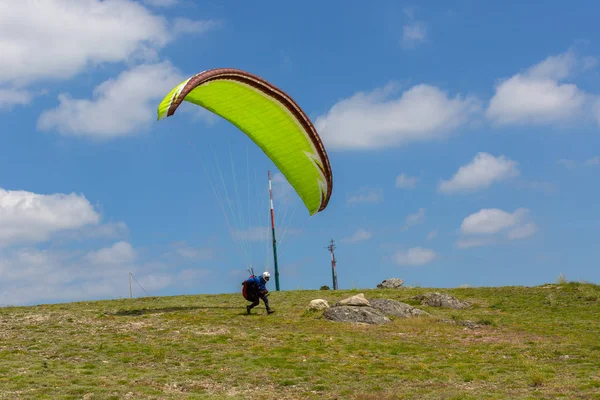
(269, 90)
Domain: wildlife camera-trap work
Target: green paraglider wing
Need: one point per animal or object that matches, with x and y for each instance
(270, 118)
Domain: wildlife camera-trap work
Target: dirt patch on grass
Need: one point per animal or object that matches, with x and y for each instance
(490, 335)
(211, 331)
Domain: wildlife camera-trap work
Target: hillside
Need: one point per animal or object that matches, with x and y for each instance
(534, 342)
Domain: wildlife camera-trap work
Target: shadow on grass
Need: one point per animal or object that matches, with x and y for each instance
(143, 311)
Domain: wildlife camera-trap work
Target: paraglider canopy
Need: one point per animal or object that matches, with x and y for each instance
(270, 118)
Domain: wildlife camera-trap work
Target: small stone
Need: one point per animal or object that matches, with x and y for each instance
(318, 304)
(391, 283)
(357, 300)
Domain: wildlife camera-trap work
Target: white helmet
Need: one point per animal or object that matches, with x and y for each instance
(266, 275)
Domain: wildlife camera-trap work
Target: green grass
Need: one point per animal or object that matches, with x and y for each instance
(539, 342)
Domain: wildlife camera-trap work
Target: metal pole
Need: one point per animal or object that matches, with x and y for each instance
(273, 234)
(130, 291)
(331, 247)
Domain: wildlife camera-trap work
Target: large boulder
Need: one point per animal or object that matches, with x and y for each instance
(358, 300)
(366, 315)
(435, 299)
(391, 283)
(318, 304)
(396, 308)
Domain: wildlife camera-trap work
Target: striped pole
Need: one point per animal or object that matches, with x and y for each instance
(273, 234)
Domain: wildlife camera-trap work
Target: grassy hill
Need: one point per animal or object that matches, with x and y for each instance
(534, 342)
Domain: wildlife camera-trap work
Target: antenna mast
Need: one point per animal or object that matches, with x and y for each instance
(331, 248)
(273, 234)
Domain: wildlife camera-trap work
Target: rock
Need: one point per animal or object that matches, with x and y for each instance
(435, 299)
(367, 315)
(391, 283)
(357, 300)
(318, 304)
(396, 308)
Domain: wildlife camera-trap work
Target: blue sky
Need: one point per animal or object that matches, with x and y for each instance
(463, 138)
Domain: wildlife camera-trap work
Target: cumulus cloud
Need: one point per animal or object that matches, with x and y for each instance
(539, 96)
(119, 253)
(13, 97)
(33, 276)
(596, 110)
(404, 181)
(31, 217)
(367, 195)
(161, 3)
(377, 120)
(414, 219)
(186, 25)
(572, 164)
(414, 33)
(414, 256)
(89, 32)
(119, 107)
(522, 231)
(483, 171)
(593, 161)
(489, 225)
(358, 236)
(56, 40)
(468, 242)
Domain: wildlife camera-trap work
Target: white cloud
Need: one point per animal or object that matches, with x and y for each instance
(413, 33)
(406, 182)
(367, 195)
(467, 243)
(31, 217)
(181, 249)
(596, 111)
(161, 3)
(491, 220)
(56, 40)
(431, 235)
(414, 256)
(89, 32)
(107, 230)
(119, 253)
(410, 12)
(480, 173)
(523, 231)
(358, 236)
(13, 97)
(570, 164)
(488, 225)
(537, 95)
(593, 161)
(186, 25)
(374, 120)
(120, 106)
(32, 276)
(414, 219)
